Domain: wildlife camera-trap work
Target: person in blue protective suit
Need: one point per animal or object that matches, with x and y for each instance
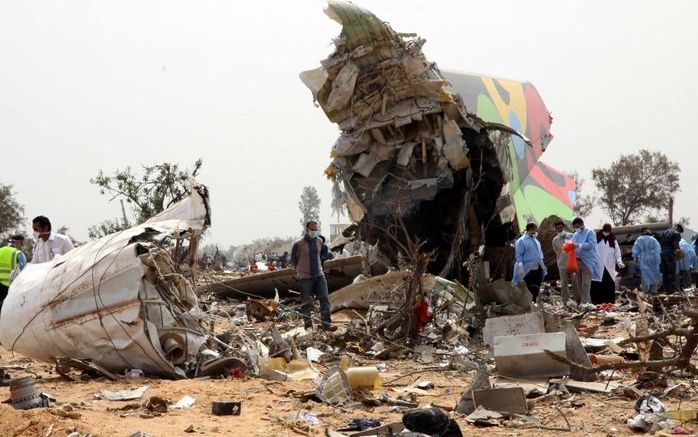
(529, 266)
(647, 253)
(686, 264)
(588, 260)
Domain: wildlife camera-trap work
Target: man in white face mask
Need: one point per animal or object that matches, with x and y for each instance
(588, 261)
(307, 256)
(530, 266)
(48, 244)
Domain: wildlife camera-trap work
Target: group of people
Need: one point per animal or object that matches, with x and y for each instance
(529, 267)
(272, 264)
(666, 260)
(47, 245)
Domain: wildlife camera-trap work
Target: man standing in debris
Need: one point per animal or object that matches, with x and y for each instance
(530, 267)
(671, 248)
(647, 254)
(48, 244)
(307, 256)
(560, 239)
(686, 264)
(12, 260)
(587, 259)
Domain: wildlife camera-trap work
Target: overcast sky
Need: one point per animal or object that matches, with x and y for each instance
(86, 85)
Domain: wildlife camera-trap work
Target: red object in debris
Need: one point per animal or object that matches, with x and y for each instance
(572, 266)
(680, 430)
(237, 373)
(421, 312)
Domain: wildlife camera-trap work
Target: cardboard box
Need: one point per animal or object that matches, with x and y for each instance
(522, 355)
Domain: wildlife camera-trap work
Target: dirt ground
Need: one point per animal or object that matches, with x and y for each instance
(268, 406)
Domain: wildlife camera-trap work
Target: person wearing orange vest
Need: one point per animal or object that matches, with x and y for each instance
(12, 260)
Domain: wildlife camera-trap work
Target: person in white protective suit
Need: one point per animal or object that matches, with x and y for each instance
(610, 259)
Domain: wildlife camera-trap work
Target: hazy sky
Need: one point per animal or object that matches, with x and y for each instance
(86, 85)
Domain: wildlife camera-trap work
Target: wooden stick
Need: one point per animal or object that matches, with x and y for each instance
(656, 335)
(618, 366)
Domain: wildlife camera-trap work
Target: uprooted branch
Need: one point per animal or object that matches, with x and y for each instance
(418, 260)
(662, 334)
(680, 361)
(615, 366)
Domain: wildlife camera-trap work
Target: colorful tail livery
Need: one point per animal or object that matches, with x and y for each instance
(538, 190)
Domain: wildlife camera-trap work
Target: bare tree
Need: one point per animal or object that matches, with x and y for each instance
(584, 203)
(636, 184)
(150, 192)
(309, 205)
(11, 212)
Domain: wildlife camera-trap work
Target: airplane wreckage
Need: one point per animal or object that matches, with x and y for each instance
(451, 157)
(119, 302)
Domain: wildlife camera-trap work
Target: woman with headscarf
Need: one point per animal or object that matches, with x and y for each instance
(610, 258)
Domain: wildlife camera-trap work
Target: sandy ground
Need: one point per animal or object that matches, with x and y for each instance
(268, 405)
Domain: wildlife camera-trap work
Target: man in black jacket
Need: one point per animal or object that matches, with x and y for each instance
(670, 243)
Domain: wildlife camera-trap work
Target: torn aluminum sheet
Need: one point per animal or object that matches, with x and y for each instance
(339, 273)
(122, 395)
(118, 301)
(388, 289)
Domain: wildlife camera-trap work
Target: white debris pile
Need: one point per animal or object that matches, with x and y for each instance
(118, 301)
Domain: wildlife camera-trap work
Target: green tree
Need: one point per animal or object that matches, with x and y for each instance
(149, 192)
(11, 212)
(110, 226)
(309, 206)
(637, 184)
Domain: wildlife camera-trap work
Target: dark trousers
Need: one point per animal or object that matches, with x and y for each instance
(669, 271)
(533, 279)
(315, 287)
(3, 294)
